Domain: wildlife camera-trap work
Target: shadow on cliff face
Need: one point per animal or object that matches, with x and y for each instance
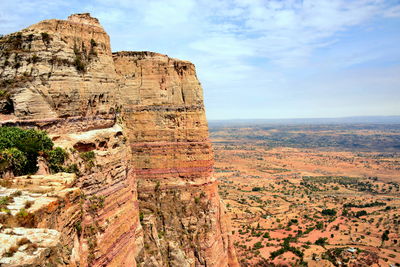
(84, 147)
(6, 105)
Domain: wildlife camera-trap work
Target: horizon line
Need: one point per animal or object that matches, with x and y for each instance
(307, 118)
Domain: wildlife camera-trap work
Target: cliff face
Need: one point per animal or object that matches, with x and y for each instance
(59, 76)
(60, 69)
(181, 213)
(147, 196)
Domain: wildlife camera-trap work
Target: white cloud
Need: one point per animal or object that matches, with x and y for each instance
(168, 14)
(15, 14)
(262, 46)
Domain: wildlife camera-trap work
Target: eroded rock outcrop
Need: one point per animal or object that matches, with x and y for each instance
(167, 130)
(61, 72)
(135, 128)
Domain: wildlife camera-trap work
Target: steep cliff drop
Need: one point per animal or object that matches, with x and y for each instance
(180, 210)
(142, 192)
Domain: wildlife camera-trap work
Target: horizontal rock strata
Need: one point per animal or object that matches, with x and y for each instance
(173, 160)
(146, 196)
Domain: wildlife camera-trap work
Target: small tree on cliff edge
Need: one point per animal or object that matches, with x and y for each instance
(20, 148)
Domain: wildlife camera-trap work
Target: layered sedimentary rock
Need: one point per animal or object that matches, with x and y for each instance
(167, 130)
(59, 77)
(146, 194)
(62, 72)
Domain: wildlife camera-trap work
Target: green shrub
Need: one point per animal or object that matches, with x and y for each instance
(79, 64)
(46, 38)
(4, 201)
(30, 142)
(22, 213)
(93, 43)
(95, 204)
(345, 212)
(360, 213)
(92, 51)
(385, 236)
(15, 41)
(319, 225)
(25, 219)
(72, 168)
(257, 245)
(329, 212)
(266, 235)
(14, 160)
(321, 241)
(78, 228)
(87, 156)
(19, 149)
(3, 94)
(56, 159)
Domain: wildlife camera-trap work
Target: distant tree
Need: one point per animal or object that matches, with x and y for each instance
(257, 245)
(345, 212)
(329, 212)
(321, 241)
(360, 213)
(385, 236)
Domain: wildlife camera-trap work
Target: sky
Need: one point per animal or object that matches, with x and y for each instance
(257, 58)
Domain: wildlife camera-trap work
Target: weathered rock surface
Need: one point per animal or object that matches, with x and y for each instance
(146, 196)
(30, 247)
(60, 69)
(24, 235)
(167, 130)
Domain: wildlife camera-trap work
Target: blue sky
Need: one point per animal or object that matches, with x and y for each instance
(257, 58)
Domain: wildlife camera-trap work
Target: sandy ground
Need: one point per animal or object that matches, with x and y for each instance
(273, 194)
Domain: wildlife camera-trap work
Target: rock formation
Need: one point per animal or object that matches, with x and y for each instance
(146, 195)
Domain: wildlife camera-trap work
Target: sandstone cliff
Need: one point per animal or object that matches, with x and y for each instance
(147, 196)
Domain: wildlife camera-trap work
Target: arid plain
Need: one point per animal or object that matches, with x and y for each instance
(316, 195)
